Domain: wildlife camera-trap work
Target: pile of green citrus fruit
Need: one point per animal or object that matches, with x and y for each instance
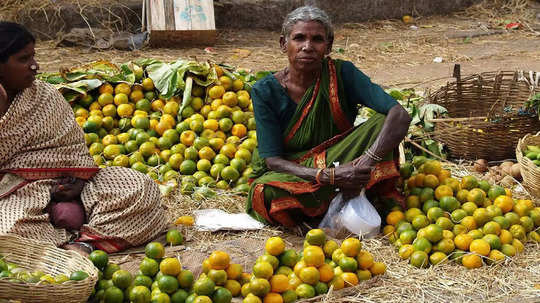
(209, 143)
(466, 220)
(159, 279)
(13, 273)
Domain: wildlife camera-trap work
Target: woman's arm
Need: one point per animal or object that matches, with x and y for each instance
(394, 129)
(343, 176)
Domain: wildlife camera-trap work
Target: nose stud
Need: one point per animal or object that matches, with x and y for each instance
(33, 67)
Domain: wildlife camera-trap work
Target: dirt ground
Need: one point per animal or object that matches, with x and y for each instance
(392, 53)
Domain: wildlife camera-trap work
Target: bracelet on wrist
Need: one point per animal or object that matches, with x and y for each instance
(372, 155)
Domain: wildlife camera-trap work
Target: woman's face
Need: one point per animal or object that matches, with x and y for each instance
(19, 72)
(306, 45)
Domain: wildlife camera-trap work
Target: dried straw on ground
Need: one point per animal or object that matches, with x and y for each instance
(111, 14)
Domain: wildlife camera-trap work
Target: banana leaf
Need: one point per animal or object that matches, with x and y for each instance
(71, 91)
(98, 69)
(186, 99)
(169, 78)
(205, 73)
(164, 76)
(51, 78)
(104, 70)
(145, 62)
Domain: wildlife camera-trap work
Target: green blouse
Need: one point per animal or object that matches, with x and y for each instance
(274, 108)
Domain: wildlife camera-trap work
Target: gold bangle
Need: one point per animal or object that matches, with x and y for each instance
(318, 176)
(332, 175)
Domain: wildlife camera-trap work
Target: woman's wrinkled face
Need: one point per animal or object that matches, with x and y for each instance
(19, 72)
(306, 45)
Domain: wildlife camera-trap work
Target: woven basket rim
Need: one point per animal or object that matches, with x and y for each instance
(529, 171)
(490, 75)
(44, 254)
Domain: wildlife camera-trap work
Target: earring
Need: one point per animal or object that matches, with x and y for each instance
(33, 67)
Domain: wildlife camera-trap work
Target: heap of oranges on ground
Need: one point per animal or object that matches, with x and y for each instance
(280, 275)
(211, 140)
(466, 220)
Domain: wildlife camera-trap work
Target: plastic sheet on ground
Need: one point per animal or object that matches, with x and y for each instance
(216, 219)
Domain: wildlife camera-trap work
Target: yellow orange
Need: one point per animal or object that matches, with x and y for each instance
(351, 247)
(480, 246)
(350, 279)
(313, 256)
(279, 283)
(274, 246)
(471, 261)
(219, 260)
(394, 217)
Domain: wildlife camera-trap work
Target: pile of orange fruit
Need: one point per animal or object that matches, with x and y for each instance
(466, 220)
(324, 263)
(220, 280)
(280, 275)
(283, 275)
(209, 143)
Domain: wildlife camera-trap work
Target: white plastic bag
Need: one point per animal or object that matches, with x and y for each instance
(356, 215)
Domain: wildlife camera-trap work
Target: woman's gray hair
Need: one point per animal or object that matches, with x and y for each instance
(306, 14)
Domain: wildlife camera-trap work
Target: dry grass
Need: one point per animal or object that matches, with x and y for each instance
(497, 9)
(112, 16)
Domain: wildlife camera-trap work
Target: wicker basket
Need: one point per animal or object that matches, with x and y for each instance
(34, 255)
(484, 122)
(529, 171)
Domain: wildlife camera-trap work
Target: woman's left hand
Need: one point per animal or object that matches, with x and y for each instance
(67, 189)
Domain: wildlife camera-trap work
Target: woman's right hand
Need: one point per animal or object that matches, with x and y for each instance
(351, 176)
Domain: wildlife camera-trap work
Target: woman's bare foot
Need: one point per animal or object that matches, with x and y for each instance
(82, 249)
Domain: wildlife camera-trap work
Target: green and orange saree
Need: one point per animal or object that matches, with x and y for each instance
(318, 135)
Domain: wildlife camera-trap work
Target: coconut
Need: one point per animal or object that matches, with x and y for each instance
(480, 166)
(506, 167)
(516, 171)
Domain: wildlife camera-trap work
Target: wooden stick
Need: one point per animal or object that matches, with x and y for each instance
(143, 21)
(427, 151)
(456, 119)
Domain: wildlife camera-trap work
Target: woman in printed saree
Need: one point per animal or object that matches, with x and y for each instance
(50, 188)
(308, 146)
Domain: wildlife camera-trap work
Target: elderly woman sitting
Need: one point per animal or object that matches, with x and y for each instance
(50, 188)
(305, 115)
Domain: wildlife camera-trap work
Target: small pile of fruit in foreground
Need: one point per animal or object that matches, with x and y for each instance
(469, 221)
(159, 279)
(283, 275)
(13, 273)
(209, 142)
